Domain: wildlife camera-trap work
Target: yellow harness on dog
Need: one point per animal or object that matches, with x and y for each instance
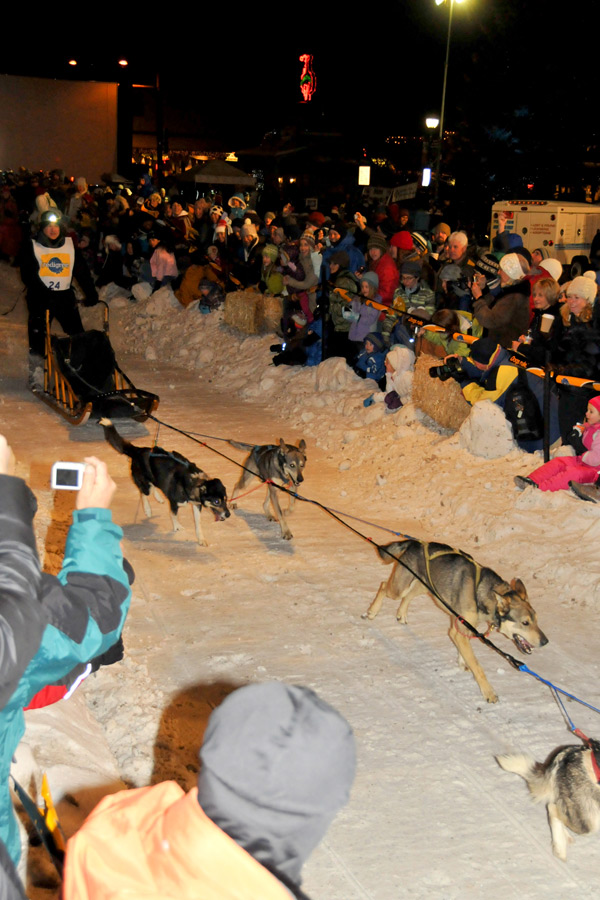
(448, 551)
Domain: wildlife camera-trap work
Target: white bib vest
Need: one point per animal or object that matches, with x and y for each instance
(56, 264)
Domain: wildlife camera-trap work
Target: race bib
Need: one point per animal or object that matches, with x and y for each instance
(56, 265)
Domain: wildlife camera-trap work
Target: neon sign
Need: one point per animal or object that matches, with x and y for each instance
(308, 78)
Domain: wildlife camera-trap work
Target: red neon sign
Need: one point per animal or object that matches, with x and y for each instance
(308, 78)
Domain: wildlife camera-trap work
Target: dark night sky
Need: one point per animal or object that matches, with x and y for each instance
(379, 69)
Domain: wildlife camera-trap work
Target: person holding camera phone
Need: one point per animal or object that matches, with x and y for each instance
(52, 625)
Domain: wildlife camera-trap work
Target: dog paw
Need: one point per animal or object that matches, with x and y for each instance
(203, 543)
(287, 535)
(403, 620)
(491, 697)
(271, 518)
(233, 506)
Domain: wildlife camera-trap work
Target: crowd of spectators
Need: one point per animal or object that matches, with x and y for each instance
(354, 282)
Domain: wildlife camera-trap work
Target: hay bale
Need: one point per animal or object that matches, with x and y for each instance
(442, 400)
(272, 313)
(244, 311)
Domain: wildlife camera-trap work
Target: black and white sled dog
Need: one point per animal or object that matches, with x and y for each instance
(280, 463)
(180, 480)
(568, 784)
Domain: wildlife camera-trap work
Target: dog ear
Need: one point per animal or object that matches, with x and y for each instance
(502, 604)
(302, 445)
(282, 444)
(519, 588)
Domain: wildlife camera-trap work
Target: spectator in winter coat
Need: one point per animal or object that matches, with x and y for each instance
(380, 262)
(277, 763)
(364, 317)
(51, 626)
(536, 344)
(370, 362)
(341, 239)
(487, 374)
(506, 316)
(247, 267)
(163, 266)
(414, 294)
(399, 361)
(560, 472)
(271, 280)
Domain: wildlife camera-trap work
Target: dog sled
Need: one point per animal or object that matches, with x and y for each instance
(82, 379)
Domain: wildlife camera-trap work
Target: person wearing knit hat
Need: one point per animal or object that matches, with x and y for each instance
(583, 289)
(402, 240)
(539, 254)
(248, 265)
(316, 218)
(337, 232)
(380, 261)
(413, 294)
(562, 472)
(439, 235)
(487, 265)
(370, 362)
(277, 765)
(505, 316)
(341, 239)
(421, 243)
(377, 240)
(552, 266)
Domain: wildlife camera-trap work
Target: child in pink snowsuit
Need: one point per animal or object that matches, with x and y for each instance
(584, 469)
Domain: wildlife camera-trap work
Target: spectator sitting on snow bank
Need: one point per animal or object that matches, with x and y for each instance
(487, 374)
(398, 361)
(277, 765)
(51, 628)
(370, 362)
(562, 471)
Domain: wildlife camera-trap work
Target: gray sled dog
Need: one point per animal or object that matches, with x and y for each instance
(281, 463)
(476, 593)
(568, 784)
(177, 478)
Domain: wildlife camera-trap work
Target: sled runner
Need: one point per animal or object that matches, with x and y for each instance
(82, 378)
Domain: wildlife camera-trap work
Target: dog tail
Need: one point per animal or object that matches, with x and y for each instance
(534, 773)
(114, 438)
(395, 549)
(241, 446)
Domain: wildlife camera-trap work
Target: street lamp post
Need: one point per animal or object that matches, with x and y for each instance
(443, 108)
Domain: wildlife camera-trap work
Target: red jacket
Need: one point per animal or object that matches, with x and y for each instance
(389, 277)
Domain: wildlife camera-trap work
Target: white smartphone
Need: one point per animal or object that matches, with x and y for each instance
(67, 476)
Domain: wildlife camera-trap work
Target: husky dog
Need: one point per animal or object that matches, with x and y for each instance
(180, 480)
(476, 593)
(279, 463)
(568, 784)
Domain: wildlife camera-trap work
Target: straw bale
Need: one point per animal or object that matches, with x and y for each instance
(442, 400)
(272, 312)
(244, 311)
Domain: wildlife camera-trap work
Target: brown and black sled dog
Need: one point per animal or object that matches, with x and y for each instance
(474, 592)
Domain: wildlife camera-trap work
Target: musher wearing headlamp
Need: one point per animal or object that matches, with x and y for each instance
(49, 263)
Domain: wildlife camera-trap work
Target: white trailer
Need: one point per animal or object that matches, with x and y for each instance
(566, 229)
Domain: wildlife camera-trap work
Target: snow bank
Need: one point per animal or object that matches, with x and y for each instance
(486, 432)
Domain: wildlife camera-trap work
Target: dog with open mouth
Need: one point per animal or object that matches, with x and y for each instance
(477, 594)
(177, 478)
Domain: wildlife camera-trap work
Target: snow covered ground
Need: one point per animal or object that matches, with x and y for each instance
(431, 814)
